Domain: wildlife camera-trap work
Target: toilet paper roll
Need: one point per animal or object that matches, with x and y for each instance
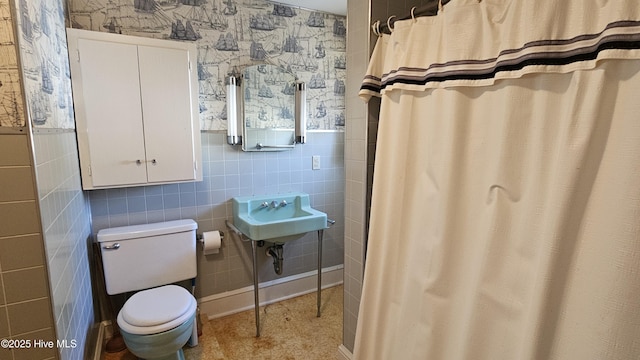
(211, 242)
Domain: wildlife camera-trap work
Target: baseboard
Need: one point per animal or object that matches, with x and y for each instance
(344, 353)
(239, 300)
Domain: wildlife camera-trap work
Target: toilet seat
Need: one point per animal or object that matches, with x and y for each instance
(156, 310)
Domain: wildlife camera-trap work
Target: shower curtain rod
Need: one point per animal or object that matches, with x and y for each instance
(430, 9)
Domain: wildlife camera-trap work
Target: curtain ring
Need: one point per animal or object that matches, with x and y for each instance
(389, 23)
(375, 27)
(413, 16)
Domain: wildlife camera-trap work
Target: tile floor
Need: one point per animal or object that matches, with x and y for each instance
(289, 330)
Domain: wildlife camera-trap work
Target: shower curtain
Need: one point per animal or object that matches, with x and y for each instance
(505, 220)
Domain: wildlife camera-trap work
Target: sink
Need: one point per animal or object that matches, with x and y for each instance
(276, 218)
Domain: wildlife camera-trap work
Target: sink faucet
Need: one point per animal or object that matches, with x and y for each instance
(274, 204)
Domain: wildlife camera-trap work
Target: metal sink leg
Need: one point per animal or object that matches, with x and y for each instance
(320, 235)
(256, 300)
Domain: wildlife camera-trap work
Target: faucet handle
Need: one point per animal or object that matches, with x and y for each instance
(264, 205)
(283, 203)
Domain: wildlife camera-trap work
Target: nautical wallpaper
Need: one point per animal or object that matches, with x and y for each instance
(233, 34)
(11, 105)
(45, 63)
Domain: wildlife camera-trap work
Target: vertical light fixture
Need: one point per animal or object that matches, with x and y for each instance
(234, 136)
(301, 113)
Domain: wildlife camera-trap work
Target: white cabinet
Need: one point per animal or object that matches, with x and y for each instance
(136, 107)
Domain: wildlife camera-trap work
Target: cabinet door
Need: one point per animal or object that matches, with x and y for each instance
(111, 109)
(165, 83)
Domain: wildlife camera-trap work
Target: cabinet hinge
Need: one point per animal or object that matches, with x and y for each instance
(78, 53)
(89, 168)
(195, 165)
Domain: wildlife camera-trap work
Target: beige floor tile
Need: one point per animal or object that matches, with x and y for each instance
(289, 330)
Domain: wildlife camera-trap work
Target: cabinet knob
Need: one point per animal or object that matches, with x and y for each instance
(154, 162)
(138, 162)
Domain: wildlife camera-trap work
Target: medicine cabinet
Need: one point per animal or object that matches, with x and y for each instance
(266, 109)
(136, 109)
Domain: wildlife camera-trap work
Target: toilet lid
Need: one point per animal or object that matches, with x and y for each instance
(155, 310)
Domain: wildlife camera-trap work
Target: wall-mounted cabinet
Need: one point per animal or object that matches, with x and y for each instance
(136, 108)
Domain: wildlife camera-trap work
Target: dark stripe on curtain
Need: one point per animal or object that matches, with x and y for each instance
(424, 76)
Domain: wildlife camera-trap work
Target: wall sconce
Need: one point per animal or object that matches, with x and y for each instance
(234, 135)
(301, 113)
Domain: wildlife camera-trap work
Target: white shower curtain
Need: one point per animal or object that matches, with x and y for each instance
(505, 220)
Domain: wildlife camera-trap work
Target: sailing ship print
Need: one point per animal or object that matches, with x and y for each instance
(217, 21)
(321, 110)
(198, 12)
(146, 5)
(283, 10)
(257, 51)
(339, 29)
(289, 89)
(25, 21)
(265, 92)
(317, 82)
(44, 19)
(230, 8)
(183, 32)
(226, 42)
(113, 26)
(262, 22)
(320, 51)
(142, 16)
(47, 84)
(316, 19)
(39, 108)
(232, 34)
(339, 88)
(291, 45)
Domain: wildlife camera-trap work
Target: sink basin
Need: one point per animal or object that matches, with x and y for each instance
(276, 218)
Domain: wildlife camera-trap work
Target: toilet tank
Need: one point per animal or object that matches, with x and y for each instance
(144, 256)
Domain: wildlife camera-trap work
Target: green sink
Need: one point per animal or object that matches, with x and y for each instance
(276, 218)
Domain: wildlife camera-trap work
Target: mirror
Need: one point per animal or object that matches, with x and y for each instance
(270, 104)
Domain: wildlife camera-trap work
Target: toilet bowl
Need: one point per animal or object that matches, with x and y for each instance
(158, 322)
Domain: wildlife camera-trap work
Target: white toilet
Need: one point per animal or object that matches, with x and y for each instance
(159, 320)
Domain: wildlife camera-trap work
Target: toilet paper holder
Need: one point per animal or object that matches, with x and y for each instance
(200, 237)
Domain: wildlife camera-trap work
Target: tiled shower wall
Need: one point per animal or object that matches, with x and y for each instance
(355, 166)
(230, 172)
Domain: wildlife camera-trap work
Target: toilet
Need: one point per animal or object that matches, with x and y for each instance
(159, 318)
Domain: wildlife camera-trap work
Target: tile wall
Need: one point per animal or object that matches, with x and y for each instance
(355, 166)
(230, 172)
(25, 303)
(66, 224)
